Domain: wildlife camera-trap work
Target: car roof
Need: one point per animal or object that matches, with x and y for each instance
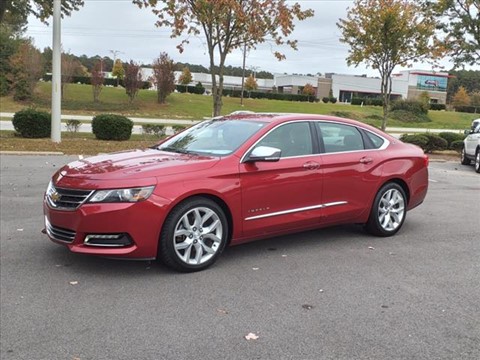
(270, 117)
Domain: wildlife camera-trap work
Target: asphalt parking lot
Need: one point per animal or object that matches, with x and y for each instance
(335, 293)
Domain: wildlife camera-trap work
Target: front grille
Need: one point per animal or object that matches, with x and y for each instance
(58, 233)
(66, 199)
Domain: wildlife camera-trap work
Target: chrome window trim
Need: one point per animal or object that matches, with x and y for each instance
(290, 211)
(385, 144)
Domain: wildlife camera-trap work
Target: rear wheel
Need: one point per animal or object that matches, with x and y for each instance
(194, 235)
(464, 159)
(388, 211)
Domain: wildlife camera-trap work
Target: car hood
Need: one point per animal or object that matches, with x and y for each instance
(136, 164)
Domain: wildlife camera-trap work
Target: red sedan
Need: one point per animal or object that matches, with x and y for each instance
(234, 179)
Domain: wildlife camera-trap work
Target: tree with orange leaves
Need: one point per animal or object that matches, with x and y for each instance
(228, 25)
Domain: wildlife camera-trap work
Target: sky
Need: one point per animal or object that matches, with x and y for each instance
(119, 28)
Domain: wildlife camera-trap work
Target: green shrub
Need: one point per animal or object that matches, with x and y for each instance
(409, 117)
(30, 123)
(178, 128)
(333, 100)
(112, 127)
(437, 106)
(451, 137)
(325, 99)
(413, 106)
(367, 101)
(154, 129)
(456, 145)
(416, 139)
(435, 142)
(427, 141)
(73, 125)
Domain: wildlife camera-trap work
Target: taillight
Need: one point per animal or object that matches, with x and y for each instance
(426, 160)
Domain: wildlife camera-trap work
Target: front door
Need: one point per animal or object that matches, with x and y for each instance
(286, 194)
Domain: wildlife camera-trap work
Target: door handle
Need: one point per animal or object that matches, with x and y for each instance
(311, 165)
(366, 160)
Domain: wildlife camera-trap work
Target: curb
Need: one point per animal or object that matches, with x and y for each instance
(31, 153)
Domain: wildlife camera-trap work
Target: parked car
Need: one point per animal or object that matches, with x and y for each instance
(471, 146)
(234, 179)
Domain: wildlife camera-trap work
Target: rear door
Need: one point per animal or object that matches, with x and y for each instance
(350, 166)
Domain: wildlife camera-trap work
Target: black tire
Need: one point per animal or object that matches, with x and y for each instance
(464, 160)
(186, 244)
(477, 161)
(387, 216)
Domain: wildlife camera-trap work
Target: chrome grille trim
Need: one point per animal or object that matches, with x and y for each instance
(66, 199)
(58, 233)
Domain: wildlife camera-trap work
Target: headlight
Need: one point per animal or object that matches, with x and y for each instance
(121, 195)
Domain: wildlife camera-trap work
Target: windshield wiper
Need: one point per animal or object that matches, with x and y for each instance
(176, 150)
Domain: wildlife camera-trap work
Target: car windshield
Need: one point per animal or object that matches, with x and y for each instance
(213, 137)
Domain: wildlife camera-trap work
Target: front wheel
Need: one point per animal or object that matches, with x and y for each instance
(194, 235)
(477, 161)
(464, 160)
(388, 211)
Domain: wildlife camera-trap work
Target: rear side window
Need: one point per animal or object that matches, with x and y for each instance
(377, 141)
(339, 137)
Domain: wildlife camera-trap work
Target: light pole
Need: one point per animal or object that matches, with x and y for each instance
(56, 130)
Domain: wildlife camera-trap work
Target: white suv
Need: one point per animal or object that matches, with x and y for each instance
(471, 146)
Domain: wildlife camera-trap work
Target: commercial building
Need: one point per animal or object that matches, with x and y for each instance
(408, 84)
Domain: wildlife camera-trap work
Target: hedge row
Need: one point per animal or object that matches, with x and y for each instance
(367, 101)
(431, 142)
(468, 109)
(269, 95)
(87, 80)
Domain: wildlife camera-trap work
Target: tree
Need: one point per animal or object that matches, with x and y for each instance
(475, 99)
(163, 77)
(469, 79)
(461, 98)
(424, 98)
(41, 9)
(70, 67)
(133, 80)
(26, 69)
(251, 84)
(118, 71)
(228, 25)
(8, 47)
(97, 80)
(309, 90)
(185, 78)
(385, 34)
(460, 22)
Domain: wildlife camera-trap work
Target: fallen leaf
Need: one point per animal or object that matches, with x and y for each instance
(284, 255)
(255, 269)
(73, 282)
(321, 290)
(307, 307)
(19, 229)
(222, 311)
(251, 336)
(371, 248)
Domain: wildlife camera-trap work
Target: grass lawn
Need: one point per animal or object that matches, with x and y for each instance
(74, 143)
(79, 100)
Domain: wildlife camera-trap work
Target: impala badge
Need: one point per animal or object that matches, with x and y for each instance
(55, 196)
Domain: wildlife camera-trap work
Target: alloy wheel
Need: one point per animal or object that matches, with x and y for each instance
(391, 210)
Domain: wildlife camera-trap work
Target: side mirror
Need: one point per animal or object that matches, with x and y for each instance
(264, 153)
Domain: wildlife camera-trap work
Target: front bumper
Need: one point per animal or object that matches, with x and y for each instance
(137, 225)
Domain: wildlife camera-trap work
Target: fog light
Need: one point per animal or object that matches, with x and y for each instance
(112, 240)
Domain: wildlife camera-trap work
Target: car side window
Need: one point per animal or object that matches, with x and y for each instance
(293, 139)
(376, 140)
(339, 137)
